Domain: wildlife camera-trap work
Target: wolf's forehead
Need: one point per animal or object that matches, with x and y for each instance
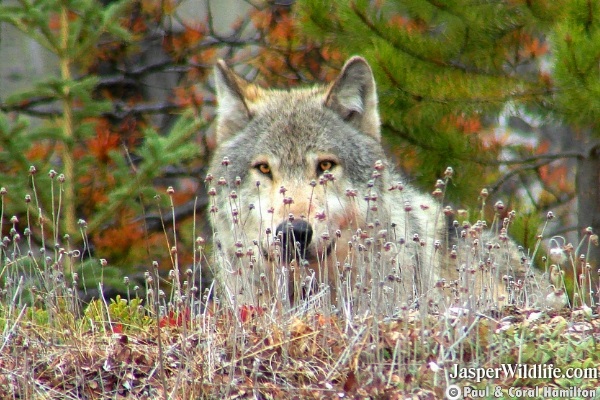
(288, 115)
(293, 133)
(281, 105)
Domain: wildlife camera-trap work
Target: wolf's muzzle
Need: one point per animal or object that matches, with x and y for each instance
(295, 238)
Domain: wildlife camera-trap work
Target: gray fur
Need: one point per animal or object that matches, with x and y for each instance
(379, 236)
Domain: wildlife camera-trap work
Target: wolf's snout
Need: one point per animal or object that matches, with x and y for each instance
(295, 238)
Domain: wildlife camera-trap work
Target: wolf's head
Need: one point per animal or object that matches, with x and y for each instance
(297, 166)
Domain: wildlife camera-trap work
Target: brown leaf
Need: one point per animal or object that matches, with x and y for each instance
(351, 383)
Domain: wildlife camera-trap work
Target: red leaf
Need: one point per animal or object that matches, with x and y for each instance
(247, 312)
(351, 383)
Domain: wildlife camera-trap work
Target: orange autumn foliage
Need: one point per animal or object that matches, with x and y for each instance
(463, 123)
(103, 143)
(556, 177)
(409, 25)
(121, 237)
(534, 48)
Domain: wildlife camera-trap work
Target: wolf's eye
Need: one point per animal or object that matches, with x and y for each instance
(325, 165)
(263, 168)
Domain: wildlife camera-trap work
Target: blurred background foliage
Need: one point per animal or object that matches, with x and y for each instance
(117, 97)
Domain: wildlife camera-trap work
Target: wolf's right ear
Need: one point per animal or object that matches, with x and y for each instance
(232, 105)
(353, 96)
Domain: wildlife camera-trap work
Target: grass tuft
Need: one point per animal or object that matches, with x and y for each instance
(166, 338)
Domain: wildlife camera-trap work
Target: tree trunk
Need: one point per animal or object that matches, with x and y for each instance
(588, 192)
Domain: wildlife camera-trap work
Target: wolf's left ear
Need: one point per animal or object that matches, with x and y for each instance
(353, 96)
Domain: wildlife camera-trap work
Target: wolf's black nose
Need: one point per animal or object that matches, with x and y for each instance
(296, 237)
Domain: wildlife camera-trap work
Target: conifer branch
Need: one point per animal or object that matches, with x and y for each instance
(437, 62)
(463, 100)
(517, 171)
(154, 222)
(547, 156)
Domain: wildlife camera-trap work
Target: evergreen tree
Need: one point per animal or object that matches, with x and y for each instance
(121, 119)
(442, 68)
(72, 149)
(447, 70)
(576, 101)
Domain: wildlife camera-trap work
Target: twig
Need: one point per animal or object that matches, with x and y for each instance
(546, 156)
(155, 221)
(516, 171)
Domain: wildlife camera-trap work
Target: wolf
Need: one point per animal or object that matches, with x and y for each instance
(304, 201)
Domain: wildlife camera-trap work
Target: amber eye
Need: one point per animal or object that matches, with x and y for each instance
(264, 168)
(326, 165)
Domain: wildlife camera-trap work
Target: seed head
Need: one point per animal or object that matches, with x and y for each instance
(351, 192)
(328, 176)
(437, 193)
(557, 255)
(499, 206)
(320, 215)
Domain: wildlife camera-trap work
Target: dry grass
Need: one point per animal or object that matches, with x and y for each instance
(171, 342)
